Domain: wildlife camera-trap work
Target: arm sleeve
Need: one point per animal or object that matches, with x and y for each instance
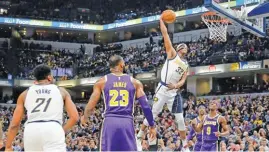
(146, 109)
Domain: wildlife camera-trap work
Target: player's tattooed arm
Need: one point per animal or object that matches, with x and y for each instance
(224, 126)
(71, 110)
(171, 53)
(95, 97)
(16, 121)
(142, 99)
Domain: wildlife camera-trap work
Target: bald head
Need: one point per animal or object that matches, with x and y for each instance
(115, 60)
(116, 64)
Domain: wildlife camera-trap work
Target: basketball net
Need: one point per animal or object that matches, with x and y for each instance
(217, 26)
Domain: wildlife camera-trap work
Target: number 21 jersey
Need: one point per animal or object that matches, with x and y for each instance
(119, 96)
(44, 103)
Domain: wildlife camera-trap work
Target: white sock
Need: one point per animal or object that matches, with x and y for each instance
(140, 133)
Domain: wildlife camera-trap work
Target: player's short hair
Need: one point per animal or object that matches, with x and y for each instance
(114, 61)
(41, 72)
(181, 46)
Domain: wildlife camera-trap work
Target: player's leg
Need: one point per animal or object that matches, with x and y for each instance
(159, 101)
(118, 134)
(175, 105)
(53, 137)
(31, 137)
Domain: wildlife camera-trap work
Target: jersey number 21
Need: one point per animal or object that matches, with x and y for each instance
(40, 102)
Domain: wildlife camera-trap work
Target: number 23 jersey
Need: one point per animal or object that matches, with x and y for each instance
(119, 96)
(44, 103)
(173, 70)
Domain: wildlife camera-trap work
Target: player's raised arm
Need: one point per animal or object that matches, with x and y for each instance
(95, 97)
(16, 121)
(170, 51)
(71, 110)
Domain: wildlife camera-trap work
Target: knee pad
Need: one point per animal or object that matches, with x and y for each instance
(180, 121)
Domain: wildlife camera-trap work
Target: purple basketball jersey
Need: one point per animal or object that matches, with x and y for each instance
(118, 133)
(211, 126)
(119, 95)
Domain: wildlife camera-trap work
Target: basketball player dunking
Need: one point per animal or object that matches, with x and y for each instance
(119, 91)
(44, 103)
(173, 76)
(198, 135)
(210, 126)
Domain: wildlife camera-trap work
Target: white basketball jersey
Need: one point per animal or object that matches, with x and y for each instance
(173, 70)
(44, 103)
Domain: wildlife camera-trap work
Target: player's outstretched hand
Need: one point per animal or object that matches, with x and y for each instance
(152, 133)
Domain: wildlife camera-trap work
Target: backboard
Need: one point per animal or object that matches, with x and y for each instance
(237, 12)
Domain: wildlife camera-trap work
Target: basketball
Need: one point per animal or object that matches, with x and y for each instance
(169, 16)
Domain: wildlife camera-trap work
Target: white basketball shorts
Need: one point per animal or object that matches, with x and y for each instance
(44, 136)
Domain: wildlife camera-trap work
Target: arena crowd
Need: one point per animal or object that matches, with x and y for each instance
(247, 116)
(73, 65)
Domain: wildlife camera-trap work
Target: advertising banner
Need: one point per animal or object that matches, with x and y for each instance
(6, 83)
(78, 26)
(210, 69)
(265, 64)
(234, 67)
(250, 65)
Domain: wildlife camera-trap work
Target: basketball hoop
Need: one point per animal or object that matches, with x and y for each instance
(217, 26)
